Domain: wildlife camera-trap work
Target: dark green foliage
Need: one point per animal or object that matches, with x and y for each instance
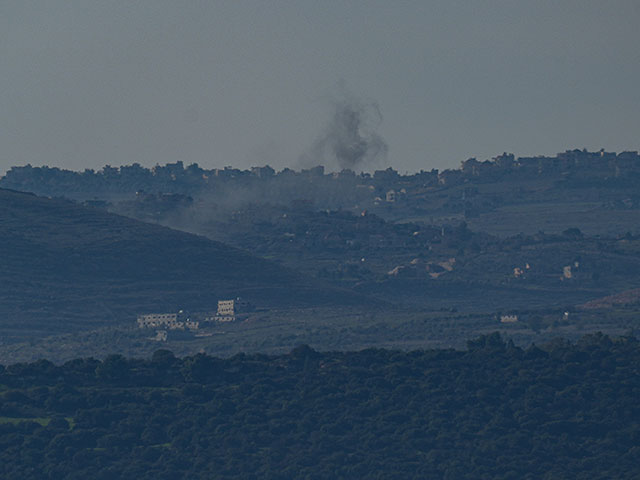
(493, 411)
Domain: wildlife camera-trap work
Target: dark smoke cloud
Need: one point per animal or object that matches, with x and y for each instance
(350, 139)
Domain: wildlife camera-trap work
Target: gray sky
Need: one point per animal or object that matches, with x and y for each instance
(87, 83)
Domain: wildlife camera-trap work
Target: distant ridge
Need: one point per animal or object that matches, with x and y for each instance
(571, 166)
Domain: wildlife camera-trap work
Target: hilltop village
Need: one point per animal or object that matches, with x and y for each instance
(177, 184)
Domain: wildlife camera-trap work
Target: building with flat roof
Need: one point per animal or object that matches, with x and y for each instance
(153, 320)
(172, 321)
(226, 311)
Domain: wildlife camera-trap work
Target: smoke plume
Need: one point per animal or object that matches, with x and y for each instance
(350, 139)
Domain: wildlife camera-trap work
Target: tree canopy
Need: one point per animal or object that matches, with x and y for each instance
(492, 411)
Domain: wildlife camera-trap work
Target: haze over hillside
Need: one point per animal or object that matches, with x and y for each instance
(507, 195)
(66, 267)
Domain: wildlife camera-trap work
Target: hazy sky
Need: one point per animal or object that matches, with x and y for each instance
(87, 83)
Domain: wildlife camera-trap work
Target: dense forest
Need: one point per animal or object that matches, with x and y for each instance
(492, 411)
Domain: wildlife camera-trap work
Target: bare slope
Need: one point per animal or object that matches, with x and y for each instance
(64, 267)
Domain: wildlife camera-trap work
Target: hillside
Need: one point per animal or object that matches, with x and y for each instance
(530, 236)
(66, 266)
(413, 263)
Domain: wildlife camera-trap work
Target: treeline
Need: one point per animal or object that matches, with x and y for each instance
(493, 411)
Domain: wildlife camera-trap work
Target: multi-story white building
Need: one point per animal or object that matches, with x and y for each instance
(226, 311)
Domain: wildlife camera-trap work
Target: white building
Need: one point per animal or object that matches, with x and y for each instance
(153, 320)
(226, 311)
(166, 320)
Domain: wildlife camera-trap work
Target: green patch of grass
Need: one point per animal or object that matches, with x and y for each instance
(15, 420)
(44, 421)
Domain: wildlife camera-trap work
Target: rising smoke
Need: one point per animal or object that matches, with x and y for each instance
(350, 139)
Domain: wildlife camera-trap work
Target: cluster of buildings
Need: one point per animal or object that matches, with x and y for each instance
(581, 162)
(189, 322)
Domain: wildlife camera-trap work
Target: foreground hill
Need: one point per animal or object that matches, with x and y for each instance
(64, 266)
(494, 411)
